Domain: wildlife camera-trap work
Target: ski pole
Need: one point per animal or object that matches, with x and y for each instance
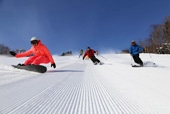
(131, 60)
(102, 57)
(152, 59)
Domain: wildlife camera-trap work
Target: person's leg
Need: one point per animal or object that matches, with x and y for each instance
(140, 61)
(137, 59)
(95, 60)
(92, 59)
(40, 59)
(30, 60)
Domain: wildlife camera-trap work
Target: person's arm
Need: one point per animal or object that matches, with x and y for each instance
(48, 54)
(84, 55)
(130, 50)
(24, 54)
(140, 49)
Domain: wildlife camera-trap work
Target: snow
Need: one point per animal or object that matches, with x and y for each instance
(79, 87)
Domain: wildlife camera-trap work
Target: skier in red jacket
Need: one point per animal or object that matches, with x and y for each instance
(40, 53)
(90, 53)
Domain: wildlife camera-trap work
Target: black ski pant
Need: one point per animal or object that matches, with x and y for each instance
(137, 59)
(94, 59)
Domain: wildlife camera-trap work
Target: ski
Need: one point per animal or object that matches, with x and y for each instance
(100, 63)
(136, 66)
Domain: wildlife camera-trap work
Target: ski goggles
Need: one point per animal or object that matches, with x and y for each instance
(34, 42)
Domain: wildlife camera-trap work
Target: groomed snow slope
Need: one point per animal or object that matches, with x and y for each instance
(79, 87)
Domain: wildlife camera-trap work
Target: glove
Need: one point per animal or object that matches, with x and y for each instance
(83, 58)
(97, 52)
(53, 65)
(140, 51)
(12, 53)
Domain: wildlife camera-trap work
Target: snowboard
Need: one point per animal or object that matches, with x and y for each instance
(34, 68)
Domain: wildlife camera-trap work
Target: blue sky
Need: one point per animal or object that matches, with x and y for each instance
(71, 25)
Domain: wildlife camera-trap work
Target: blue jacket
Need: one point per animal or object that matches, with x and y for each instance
(135, 49)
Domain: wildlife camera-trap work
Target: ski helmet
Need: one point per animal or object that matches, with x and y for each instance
(33, 39)
(133, 41)
(88, 47)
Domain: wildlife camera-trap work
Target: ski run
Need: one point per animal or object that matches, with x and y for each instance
(78, 86)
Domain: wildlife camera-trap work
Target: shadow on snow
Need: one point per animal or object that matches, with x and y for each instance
(65, 71)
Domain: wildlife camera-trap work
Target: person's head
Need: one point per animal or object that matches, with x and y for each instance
(34, 41)
(88, 48)
(133, 42)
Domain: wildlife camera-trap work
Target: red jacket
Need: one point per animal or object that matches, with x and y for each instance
(39, 50)
(89, 53)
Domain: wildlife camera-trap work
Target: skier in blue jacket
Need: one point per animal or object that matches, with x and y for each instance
(134, 51)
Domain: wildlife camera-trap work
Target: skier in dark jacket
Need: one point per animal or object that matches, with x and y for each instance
(134, 51)
(90, 53)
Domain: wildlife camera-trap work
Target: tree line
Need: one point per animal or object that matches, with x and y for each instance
(159, 38)
(4, 50)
